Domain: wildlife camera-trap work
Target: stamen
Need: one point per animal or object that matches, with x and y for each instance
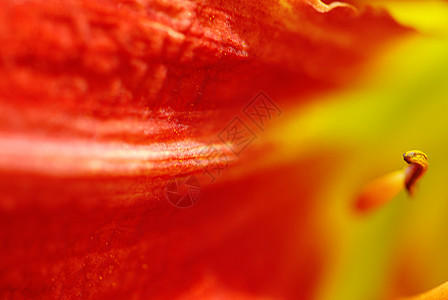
(380, 191)
(385, 188)
(418, 164)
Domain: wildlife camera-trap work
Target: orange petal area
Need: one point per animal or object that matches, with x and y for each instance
(103, 101)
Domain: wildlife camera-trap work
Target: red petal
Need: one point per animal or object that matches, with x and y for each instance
(103, 101)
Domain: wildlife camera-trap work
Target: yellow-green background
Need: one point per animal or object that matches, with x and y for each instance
(401, 104)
